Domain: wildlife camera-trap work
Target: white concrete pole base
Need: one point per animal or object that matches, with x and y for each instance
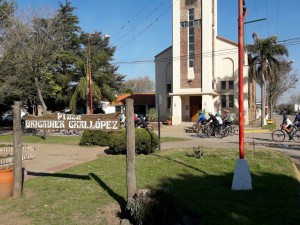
(242, 177)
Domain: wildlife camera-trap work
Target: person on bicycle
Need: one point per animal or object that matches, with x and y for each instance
(227, 120)
(284, 115)
(214, 121)
(297, 119)
(287, 126)
(220, 121)
(201, 119)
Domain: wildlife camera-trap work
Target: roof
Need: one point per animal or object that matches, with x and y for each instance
(138, 98)
(162, 52)
(227, 41)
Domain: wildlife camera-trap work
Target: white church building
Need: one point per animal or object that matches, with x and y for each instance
(200, 70)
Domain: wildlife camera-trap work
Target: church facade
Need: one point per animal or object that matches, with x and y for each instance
(200, 70)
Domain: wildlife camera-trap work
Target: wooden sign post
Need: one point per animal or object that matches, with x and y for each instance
(130, 155)
(17, 169)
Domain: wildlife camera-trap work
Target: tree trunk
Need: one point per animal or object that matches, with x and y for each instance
(44, 107)
(270, 106)
(263, 103)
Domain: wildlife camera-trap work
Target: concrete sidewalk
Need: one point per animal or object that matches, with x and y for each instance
(55, 157)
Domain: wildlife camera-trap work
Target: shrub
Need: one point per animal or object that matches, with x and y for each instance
(145, 141)
(117, 141)
(100, 138)
(152, 115)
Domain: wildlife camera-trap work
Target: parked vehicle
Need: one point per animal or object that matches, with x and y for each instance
(104, 108)
(6, 120)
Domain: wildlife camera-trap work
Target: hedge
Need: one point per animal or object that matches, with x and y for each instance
(145, 141)
(100, 138)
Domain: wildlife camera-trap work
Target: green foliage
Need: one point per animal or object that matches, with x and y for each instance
(100, 138)
(136, 210)
(150, 207)
(153, 116)
(117, 142)
(145, 141)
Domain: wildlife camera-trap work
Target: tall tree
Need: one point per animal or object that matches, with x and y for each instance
(6, 10)
(31, 44)
(264, 53)
(65, 64)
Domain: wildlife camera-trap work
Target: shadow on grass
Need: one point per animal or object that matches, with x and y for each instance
(61, 175)
(114, 195)
(181, 163)
(274, 200)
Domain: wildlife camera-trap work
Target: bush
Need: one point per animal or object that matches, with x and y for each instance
(100, 138)
(145, 141)
(152, 115)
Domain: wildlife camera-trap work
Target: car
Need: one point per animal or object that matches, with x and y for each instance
(7, 119)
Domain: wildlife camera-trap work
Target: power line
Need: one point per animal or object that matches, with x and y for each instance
(287, 42)
(130, 20)
(146, 28)
(137, 24)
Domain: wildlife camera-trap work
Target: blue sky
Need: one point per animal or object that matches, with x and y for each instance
(142, 29)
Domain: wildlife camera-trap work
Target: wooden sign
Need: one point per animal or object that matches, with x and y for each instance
(107, 122)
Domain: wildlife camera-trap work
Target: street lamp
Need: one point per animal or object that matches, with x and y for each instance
(89, 70)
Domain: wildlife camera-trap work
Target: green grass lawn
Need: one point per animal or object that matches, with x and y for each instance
(202, 187)
(41, 140)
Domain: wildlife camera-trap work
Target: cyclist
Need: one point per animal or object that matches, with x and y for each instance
(297, 119)
(220, 121)
(227, 119)
(214, 122)
(287, 126)
(200, 121)
(284, 115)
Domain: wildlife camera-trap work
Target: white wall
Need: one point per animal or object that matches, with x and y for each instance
(163, 76)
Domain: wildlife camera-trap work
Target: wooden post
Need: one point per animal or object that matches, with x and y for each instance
(17, 189)
(130, 155)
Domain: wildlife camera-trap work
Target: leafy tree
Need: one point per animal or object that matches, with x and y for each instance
(31, 44)
(264, 53)
(6, 10)
(65, 64)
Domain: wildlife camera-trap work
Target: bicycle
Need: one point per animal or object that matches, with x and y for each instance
(279, 135)
(218, 132)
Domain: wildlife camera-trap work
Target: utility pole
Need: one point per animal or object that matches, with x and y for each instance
(241, 78)
(242, 177)
(90, 75)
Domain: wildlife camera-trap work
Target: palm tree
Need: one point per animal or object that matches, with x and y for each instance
(81, 93)
(264, 62)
